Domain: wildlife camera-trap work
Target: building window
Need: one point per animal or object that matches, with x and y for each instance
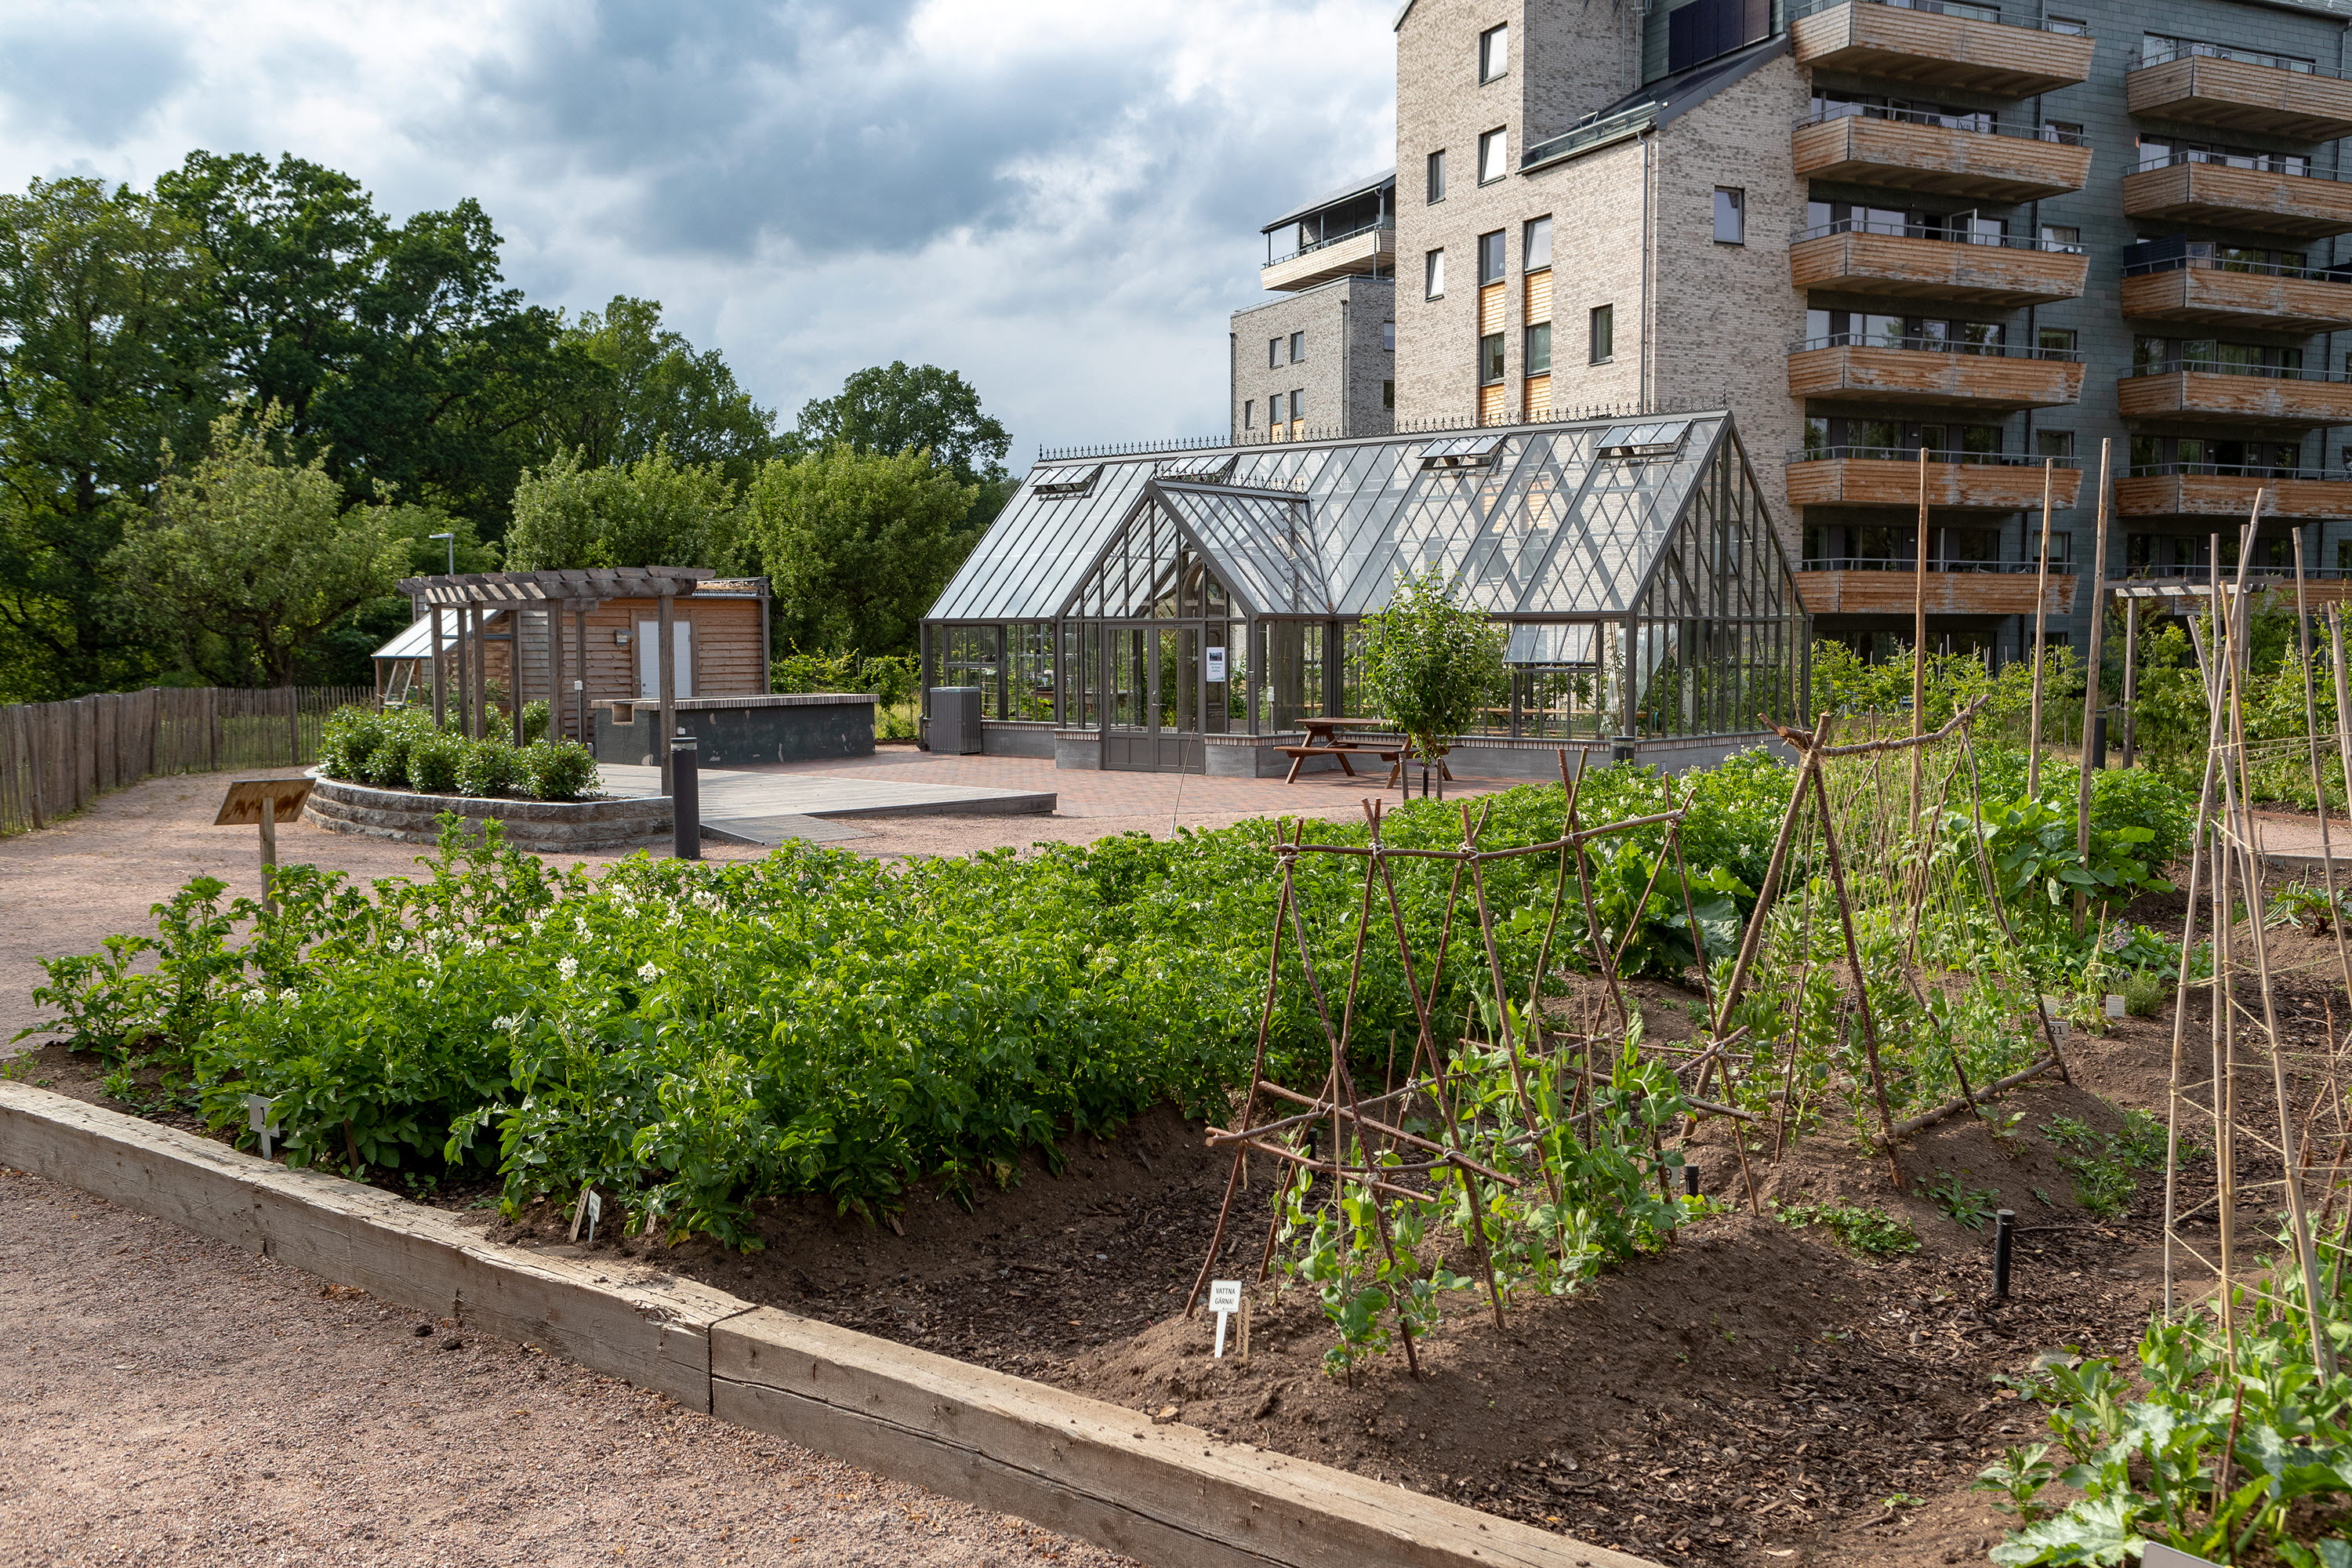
(1273, 353)
(2068, 132)
(1298, 348)
(2054, 442)
(1731, 215)
(1297, 404)
(1249, 413)
(1490, 258)
(1388, 336)
(2055, 339)
(2073, 26)
(1535, 246)
(1432, 276)
(2064, 237)
(1490, 359)
(1274, 409)
(1437, 181)
(1538, 348)
(1604, 334)
(1494, 148)
(1388, 395)
(1493, 53)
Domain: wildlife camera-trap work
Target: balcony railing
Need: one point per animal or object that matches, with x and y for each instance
(1330, 241)
(1960, 10)
(1982, 123)
(1935, 563)
(2237, 471)
(1592, 134)
(2295, 163)
(2119, 572)
(1933, 345)
(1937, 231)
(2223, 264)
(2223, 367)
(1911, 455)
(2189, 49)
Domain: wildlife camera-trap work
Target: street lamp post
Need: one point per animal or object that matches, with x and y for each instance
(452, 539)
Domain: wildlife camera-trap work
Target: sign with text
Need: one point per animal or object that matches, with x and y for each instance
(1215, 659)
(1225, 1299)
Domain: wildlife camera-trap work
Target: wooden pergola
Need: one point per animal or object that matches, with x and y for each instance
(467, 595)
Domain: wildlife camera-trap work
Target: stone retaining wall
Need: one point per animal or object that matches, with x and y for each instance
(540, 825)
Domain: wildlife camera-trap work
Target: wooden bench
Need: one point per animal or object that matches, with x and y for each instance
(1299, 755)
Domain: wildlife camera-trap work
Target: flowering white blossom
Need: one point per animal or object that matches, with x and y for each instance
(506, 1023)
(579, 923)
(648, 973)
(569, 968)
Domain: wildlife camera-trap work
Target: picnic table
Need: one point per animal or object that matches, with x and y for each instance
(1324, 740)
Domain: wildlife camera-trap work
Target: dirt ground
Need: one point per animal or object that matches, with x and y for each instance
(169, 1399)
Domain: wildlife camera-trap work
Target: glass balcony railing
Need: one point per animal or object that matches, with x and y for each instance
(1961, 10)
(2226, 264)
(1825, 454)
(2164, 51)
(2226, 367)
(2237, 471)
(1933, 345)
(2174, 571)
(2294, 163)
(1330, 241)
(1940, 231)
(1982, 123)
(1935, 563)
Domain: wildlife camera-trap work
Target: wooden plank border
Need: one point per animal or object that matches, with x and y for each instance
(1169, 1495)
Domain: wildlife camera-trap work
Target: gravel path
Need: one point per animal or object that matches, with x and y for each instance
(169, 1399)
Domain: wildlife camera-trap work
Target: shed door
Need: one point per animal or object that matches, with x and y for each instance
(648, 658)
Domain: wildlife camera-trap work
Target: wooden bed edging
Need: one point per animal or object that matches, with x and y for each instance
(1169, 1495)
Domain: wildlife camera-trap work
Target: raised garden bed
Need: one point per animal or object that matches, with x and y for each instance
(542, 827)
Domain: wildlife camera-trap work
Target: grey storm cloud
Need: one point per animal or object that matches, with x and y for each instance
(95, 80)
(732, 122)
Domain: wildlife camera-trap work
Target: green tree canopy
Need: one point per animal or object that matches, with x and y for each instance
(97, 374)
(652, 389)
(1428, 663)
(857, 545)
(904, 409)
(655, 511)
(249, 557)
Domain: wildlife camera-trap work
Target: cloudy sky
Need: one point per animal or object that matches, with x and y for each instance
(1059, 198)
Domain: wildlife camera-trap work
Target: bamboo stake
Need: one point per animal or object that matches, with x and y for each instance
(2091, 692)
(2040, 624)
(1919, 646)
(2319, 782)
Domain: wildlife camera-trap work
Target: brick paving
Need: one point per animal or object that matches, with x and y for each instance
(1090, 792)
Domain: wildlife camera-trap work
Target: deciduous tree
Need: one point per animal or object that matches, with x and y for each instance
(856, 545)
(655, 511)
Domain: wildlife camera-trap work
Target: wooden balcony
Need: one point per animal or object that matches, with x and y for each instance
(1901, 155)
(2250, 400)
(1904, 268)
(1892, 482)
(1935, 50)
(2255, 302)
(1373, 251)
(1926, 376)
(2296, 106)
(2252, 199)
(2231, 496)
(1949, 593)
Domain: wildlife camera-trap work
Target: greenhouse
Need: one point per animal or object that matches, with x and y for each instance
(1194, 610)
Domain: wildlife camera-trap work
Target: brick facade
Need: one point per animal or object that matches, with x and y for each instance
(1347, 369)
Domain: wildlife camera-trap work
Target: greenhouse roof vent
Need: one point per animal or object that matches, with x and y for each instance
(1461, 452)
(1661, 440)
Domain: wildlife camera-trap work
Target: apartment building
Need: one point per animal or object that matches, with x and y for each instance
(2006, 232)
(1320, 359)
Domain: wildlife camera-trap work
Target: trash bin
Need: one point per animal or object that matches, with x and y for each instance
(955, 719)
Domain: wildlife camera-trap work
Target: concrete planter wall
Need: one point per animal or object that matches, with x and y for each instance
(733, 731)
(542, 827)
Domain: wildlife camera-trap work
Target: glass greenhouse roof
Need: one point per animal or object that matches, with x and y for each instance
(1534, 523)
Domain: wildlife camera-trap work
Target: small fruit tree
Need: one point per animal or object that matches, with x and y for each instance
(1431, 664)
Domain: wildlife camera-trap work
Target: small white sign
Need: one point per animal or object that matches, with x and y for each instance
(1225, 1299)
(1215, 657)
(587, 1212)
(257, 1109)
(2116, 1006)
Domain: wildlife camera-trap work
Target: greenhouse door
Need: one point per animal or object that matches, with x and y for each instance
(1151, 709)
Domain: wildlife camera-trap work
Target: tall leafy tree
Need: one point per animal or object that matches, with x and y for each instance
(655, 511)
(96, 374)
(901, 407)
(856, 545)
(1429, 663)
(650, 388)
(250, 555)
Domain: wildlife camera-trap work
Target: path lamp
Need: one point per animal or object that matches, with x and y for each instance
(452, 539)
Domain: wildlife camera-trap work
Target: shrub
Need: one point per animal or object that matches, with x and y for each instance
(1872, 1232)
(434, 762)
(558, 770)
(400, 732)
(490, 767)
(534, 722)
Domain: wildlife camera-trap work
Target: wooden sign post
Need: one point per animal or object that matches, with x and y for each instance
(266, 802)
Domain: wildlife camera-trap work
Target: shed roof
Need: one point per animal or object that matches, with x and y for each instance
(593, 583)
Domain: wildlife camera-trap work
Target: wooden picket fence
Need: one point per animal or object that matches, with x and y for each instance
(56, 757)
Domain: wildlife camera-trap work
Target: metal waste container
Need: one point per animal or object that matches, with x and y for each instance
(955, 719)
